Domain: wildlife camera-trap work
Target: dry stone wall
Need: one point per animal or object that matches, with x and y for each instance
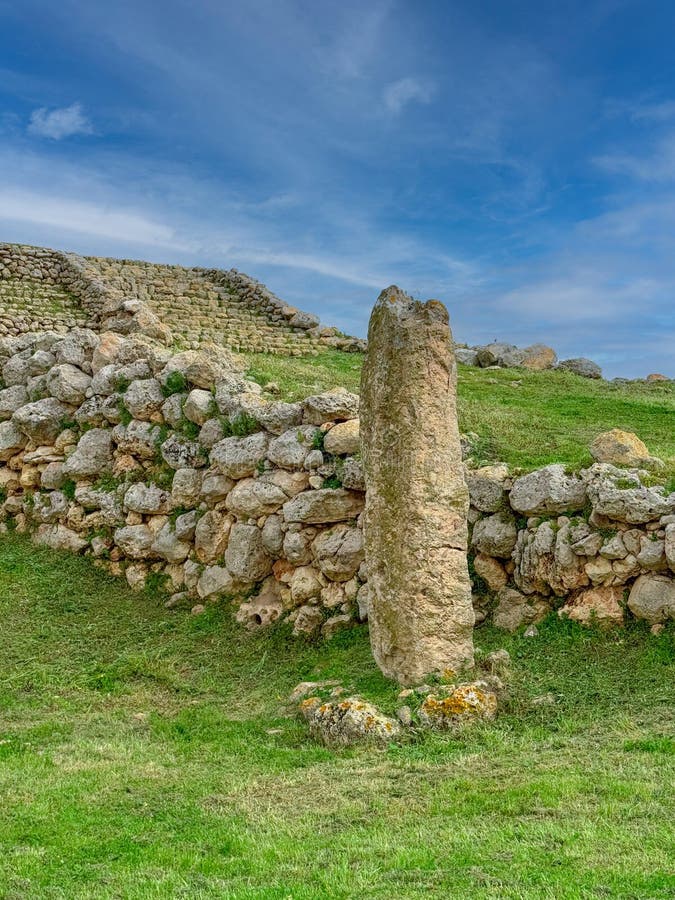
(597, 545)
(175, 468)
(43, 289)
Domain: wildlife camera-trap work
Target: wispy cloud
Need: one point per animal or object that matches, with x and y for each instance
(657, 164)
(59, 123)
(655, 112)
(401, 93)
(643, 109)
(355, 45)
(78, 216)
(101, 208)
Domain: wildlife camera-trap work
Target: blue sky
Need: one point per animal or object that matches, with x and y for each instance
(513, 159)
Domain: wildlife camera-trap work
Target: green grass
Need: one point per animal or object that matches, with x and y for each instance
(147, 754)
(300, 376)
(527, 419)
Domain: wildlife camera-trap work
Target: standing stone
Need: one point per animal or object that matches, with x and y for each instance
(420, 611)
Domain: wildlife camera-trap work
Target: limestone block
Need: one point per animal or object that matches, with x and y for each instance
(211, 536)
(323, 506)
(215, 487)
(11, 399)
(331, 406)
(621, 448)
(254, 497)
(547, 490)
(215, 581)
(305, 584)
(137, 439)
(59, 537)
(343, 438)
(168, 545)
(135, 541)
(148, 499)
(491, 571)
(93, 455)
(291, 448)
(514, 609)
(619, 495)
(211, 433)
(68, 383)
(186, 487)
(274, 416)
(596, 605)
(42, 420)
(487, 487)
(200, 368)
(495, 535)
(180, 453)
(339, 552)
(239, 457)
(652, 598)
(12, 440)
(143, 398)
(199, 406)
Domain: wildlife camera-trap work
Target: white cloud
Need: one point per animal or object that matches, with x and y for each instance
(82, 217)
(109, 207)
(655, 112)
(656, 165)
(59, 123)
(357, 41)
(399, 94)
(584, 295)
(641, 109)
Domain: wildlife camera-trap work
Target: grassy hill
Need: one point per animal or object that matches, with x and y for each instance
(526, 419)
(148, 754)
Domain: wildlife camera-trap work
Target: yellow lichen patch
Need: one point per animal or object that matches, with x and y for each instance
(309, 702)
(465, 701)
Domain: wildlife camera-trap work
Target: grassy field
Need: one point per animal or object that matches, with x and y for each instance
(148, 754)
(526, 419)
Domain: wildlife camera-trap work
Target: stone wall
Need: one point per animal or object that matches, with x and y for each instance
(172, 467)
(597, 545)
(46, 289)
(175, 467)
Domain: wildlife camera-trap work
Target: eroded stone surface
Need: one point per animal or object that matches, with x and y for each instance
(347, 721)
(420, 611)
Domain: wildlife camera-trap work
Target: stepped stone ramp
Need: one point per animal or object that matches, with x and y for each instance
(31, 305)
(36, 294)
(43, 289)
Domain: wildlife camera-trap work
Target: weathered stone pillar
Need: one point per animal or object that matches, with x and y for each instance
(420, 613)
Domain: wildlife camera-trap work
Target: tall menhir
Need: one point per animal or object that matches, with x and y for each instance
(420, 613)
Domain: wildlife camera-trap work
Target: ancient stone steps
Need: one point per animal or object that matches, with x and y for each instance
(197, 309)
(47, 289)
(30, 304)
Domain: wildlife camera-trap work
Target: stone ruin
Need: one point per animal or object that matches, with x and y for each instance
(173, 466)
(42, 289)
